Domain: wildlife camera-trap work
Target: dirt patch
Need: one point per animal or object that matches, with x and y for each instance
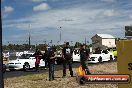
(41, 80)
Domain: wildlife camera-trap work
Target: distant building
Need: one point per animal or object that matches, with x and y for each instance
(103, 41)
(128, 32)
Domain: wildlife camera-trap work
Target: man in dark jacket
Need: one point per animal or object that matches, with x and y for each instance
(67, 59)
(45, 57)
(51, 60)
(84, 55)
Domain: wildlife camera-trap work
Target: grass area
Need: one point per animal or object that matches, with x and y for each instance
(41, 80)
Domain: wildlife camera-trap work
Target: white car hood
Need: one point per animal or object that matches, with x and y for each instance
(18, 61)
(94, 55)
(13, 61)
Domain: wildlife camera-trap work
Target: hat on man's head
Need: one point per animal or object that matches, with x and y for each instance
(67, 43)
(83, 45)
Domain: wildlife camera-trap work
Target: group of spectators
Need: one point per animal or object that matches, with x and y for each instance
(50, 56)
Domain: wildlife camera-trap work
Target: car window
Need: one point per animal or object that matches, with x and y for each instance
(32, 55)
(105, 51)
(25, 56)
(76, 52)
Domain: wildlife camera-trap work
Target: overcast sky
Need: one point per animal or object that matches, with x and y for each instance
(77, 18)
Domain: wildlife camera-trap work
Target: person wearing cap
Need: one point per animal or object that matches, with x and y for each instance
(67, 59)
(84, 55)
(51, 61)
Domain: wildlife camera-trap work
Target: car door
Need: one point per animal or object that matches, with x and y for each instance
(42, 63)
(32, 61)
(105, 55)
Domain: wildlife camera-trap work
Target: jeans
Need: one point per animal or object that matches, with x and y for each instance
(51, 71)
(36, 67)
(85, 67)
(46, 63)
(65, 62)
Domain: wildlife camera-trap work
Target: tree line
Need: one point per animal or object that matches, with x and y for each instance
(21, 47)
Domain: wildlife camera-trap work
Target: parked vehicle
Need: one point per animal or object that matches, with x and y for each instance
(25, 62)
(59, 57)
(105, 55)
(76, 55)
(114, 51)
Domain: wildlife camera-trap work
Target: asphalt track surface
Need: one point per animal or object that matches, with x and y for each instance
(18, 73)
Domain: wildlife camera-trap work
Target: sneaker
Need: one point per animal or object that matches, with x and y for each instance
(45, 68)
(88, 73)
(63, 76)
(72, 76)
(50, 80)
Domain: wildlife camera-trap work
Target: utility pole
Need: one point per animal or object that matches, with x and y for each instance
(1, 56)
(60, 33)
(85, 41)
(29, 39)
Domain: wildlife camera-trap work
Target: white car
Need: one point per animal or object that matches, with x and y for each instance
(76, 55)
(59, 59)
(103, 56)
(25, 62)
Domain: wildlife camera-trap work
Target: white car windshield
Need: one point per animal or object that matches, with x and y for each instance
(76, 52)
(25, 56)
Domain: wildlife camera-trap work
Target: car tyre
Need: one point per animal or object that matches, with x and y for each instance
(111, 58)
(82, 80)
(12, 69)
(100, 59)
(26, 67)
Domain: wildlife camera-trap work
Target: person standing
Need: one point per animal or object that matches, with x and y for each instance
(45, 57)
(67, 59)
(38, 56)
(84, 55)
(51, 61)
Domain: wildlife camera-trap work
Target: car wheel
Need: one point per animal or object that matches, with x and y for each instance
(100, 59)
(111, 58)
(26, 66)
(12, 69)
(82, 80)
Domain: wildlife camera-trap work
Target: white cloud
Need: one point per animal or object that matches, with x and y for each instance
(8, 9)
(76, 23)
(130, 16)
(41, 7)
(82, 23)
(38, 0)
(109, 1)
(110, 12)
